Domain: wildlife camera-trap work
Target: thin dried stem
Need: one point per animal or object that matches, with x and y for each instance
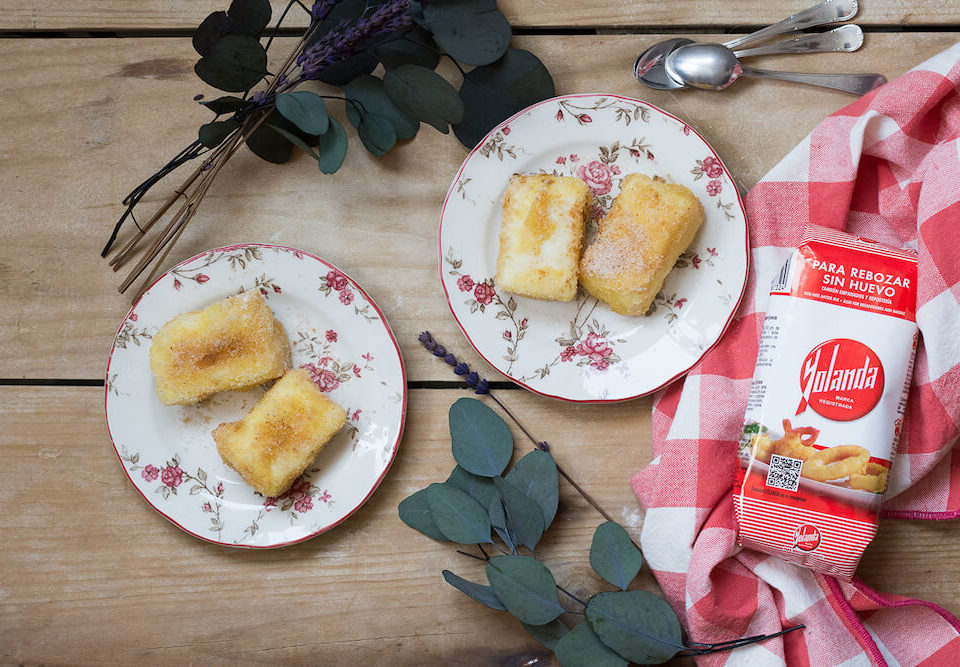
(192, 191)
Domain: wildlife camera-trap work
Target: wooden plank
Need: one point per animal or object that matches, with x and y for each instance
(90, 573)
(25, 15)
(94, 117)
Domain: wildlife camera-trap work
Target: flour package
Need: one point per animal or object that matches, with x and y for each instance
(827, 401)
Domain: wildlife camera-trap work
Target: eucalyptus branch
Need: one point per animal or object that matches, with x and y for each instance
(385, 109)
(479, 496)
(571, 595)
(481, 386)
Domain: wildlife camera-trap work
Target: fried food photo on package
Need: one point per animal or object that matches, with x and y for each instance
(826, 404)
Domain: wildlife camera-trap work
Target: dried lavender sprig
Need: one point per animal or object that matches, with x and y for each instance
(342, 42)
(321, 9)
(481, 386)
(471, 378)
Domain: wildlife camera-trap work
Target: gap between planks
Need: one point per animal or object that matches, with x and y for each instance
(640, 29)
(497, 385)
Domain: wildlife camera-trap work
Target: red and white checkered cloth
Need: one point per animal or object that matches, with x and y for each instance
(886, 167)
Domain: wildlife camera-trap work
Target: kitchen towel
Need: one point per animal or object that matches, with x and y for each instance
(886, 167)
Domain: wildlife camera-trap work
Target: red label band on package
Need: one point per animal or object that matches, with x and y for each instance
(827, 400)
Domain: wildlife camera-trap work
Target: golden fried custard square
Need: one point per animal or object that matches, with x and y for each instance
(541, 236)
(232, 344)
(283, 433)
(648, 227)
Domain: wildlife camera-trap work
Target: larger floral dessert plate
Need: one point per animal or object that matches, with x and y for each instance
(582, 351)
(336, 332)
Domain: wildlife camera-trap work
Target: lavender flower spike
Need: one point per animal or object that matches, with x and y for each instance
(471, 378)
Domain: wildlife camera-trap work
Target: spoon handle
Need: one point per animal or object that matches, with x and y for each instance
(828, 11)
(846, 38)
(858, 84)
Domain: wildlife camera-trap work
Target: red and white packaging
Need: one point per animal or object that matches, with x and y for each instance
(827, 400)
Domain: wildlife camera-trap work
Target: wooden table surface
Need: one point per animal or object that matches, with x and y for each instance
(97, 95)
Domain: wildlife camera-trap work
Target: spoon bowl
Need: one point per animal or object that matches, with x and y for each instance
(707, 66)
(649, 69)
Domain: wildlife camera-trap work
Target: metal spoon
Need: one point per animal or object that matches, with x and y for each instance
(846, 38)
(714, 67)
(648, 68)
(828, 11)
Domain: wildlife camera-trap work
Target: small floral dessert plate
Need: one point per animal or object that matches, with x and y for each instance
(582, 351)
(336, 332)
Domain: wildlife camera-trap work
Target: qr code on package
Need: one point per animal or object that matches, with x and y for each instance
(784, 472)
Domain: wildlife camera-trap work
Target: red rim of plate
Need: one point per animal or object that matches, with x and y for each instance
(746, 242)
(403, 407)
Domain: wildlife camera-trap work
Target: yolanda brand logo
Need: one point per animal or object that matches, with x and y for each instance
(840, 379)
(807, 537)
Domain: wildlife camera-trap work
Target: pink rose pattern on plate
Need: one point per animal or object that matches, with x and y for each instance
(170, 478)
(587, 342)
(327, 369)
(171, 481)
(299, 497)
(710, 168)
(479, 294)
(335, 282)
(593, 339)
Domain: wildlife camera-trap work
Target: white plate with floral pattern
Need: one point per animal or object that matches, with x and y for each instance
(582, 351)
(335, 331)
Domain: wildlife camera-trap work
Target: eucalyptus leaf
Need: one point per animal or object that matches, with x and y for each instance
(249, 17)
(333, 148)
(581, 647)
(479, 488)
(225, 104)
(341, 73)
(233, 63)
(212, 134)
(479, 592)
(526, 588)
(413, 47)
(482, 442)
(276, 120)
(215, 26)
(377, 134)
(613, 556)
(304, 109)
(475, 33)
(415, 512)
(536, 476)
(548, 634)
(523, 514)
(366, 96)
(638, 625)
(498, 520)
(495, 92)
(416, 12)
(297, 141)
(269, 145)
(423, 94)
(458, 516)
